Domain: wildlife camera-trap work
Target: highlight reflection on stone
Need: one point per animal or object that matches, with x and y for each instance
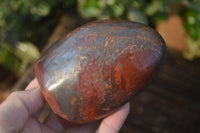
(97, 68)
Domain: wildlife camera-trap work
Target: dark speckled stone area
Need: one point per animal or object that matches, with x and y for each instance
(97, 68)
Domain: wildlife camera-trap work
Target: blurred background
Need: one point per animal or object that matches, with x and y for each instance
(170, 104)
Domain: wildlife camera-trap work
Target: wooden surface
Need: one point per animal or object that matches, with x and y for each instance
(171, 103)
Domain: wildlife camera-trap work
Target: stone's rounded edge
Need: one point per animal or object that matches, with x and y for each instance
(162, 51)
(105, 22)
(49, 97)
(67, 123)
(48, 93)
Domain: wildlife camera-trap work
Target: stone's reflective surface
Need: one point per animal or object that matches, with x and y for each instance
(97, 68)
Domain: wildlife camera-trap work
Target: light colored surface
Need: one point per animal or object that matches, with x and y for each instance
(173, 33)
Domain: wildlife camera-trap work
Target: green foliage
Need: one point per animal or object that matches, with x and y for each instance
(8, 59)
(192, 23)
(25, 21)
(134, 10)
(145, 11)
(194, 49)
(31, 20)
(19, 18)
(17, 59)
(191, 17)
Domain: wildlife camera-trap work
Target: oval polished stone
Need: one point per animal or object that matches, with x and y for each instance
(97, 68)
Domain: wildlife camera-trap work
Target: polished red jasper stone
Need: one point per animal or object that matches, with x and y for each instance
(97, 68)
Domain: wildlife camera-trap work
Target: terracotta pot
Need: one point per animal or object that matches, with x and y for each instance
(173, 33)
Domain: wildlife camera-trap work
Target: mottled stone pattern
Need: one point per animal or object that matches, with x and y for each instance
(89, 73)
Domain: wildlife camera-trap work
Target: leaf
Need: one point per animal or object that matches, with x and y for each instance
(116, 10)
(41, 9)
(89, 8)
(136, 15)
